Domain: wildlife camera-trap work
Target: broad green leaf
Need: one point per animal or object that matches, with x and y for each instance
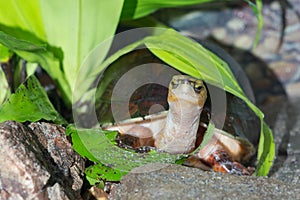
(77, 27)
(103, 172)
(93, 144)
(4, 87)
(107, 62)
(71, 29)
(17, 44)
(25, 17)
(38, 53)
(29, 103)
(140, 8)
(79, 145)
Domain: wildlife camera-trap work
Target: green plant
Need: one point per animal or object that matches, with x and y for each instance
(60, 37)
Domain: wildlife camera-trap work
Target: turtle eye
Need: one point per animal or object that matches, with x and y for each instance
(198, 88)
(174, 84)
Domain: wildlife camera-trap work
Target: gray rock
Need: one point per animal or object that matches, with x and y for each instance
(284, 120)
(178, 182)
(32, 167)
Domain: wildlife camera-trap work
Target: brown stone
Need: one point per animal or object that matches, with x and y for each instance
(293, 90)
(284, 70)
(38, 164)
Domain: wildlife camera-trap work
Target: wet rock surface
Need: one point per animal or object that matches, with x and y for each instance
(178, 182)
(38, 162)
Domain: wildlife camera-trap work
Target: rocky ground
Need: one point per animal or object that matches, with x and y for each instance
(178, 182)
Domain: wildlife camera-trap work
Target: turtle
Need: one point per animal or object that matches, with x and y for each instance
(181, 126)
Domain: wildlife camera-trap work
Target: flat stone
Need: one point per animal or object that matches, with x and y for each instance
(244, 42)
(219, 33)
(293, 90)
(178, 182)
(236, 24)
(284, 70)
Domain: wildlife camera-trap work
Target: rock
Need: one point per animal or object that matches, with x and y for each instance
(38, 163)
(236, 24)
(293, 90)
(178, 182)
(285, 123)
(284, 70)
(53, 138)
(244, 42)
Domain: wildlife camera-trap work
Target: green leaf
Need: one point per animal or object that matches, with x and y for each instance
(77, 27)
(67, 30)
(79, 145)
(31, 68)
(93, 181)
(29, 103)
(266, 152)
(106, 80)
(4, 87)
(257, 9)
(21, 45)
(207, 136)
(102, 172)
(93, 144)
(37, 53)
(25, 17)
(5, 54)
(52, 66)
(197, 62)
(134, 9)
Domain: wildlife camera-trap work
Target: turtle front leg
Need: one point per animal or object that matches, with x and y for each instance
(220, 161)
(136, 137)
(217, 156)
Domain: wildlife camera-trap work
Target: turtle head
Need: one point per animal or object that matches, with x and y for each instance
(186, 90)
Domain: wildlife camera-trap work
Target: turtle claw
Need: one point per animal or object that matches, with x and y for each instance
(222, 162)
(232, 168)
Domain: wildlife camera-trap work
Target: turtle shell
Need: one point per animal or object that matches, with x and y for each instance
(240, 121)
